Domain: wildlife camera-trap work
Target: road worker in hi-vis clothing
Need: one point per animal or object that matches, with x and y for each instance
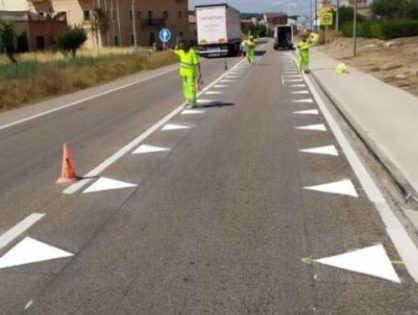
(189, 71)
(308, 40)
(250, 47)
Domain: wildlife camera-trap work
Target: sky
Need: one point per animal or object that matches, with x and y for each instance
(257, 6)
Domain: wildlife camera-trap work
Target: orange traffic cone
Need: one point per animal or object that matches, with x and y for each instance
(226, 66)
(68, 169)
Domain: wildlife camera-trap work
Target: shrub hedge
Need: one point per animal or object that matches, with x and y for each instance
(383, 29)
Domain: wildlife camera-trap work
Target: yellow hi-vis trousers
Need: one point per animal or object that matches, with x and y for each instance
(250, 55)
(189, 90)
(303, 61)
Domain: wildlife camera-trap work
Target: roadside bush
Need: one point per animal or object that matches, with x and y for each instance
(70, 39)
(398, 28)
(7, 39)
(383, 30)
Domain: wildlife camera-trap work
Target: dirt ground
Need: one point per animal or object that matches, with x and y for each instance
(393, 61)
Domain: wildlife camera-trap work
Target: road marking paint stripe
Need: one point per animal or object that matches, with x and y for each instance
(307, 112)
(327, 150)
(136, 142)
(372, 261)
(19, 228)
(300, 92)
(104, 183)
(318, 127)
(343, 187)
(30, 251)
(170, 127)
(307, 100)
(214, 93)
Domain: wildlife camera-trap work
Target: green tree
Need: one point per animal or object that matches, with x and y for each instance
(411, 10)
(71, 38)
(100, 23)
(255, 30)
(7, 39)
(388, 9)
(345, 14)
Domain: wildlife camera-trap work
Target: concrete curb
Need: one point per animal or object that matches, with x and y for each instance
(409, 194)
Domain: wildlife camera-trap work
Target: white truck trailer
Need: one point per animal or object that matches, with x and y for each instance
(218, 30)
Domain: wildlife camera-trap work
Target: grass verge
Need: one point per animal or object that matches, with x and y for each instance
(36, 81)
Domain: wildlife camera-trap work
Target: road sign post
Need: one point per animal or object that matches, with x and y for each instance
(165, 36)
(355, 29)
(326, 20)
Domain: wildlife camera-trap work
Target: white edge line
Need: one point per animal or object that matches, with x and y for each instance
(84, 100)
(19, 228)
(135, 142)
(397, 233)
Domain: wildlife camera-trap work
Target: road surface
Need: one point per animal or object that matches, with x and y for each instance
(219, 211)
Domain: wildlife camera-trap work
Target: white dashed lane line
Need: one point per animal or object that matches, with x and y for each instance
(19, 228)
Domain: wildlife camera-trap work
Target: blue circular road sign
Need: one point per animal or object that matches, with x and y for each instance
(165, 35)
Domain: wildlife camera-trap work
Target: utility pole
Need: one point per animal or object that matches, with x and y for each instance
(316, 15)
(310, 15)
(133, 16)
(355, 29)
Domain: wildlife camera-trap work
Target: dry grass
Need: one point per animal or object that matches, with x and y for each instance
(51, 56)
(61, 80)
(394, 61)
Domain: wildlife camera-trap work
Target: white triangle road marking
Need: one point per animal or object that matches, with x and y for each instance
(343, 187)
(144, 148)
(170, 127)
(192, 112)
(104, 183)
(318, 127)
(228, 81)
(307, 112)
(372, 261)
(205, 101)
(213, 93)
(306, 100)
(327, 150)
(294, 80)
(300, 92)
(30, 251)
(220, 86)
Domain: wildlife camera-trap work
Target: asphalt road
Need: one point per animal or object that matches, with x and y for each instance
(220, 223)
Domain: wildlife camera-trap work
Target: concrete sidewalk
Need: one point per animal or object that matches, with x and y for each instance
(386, 117)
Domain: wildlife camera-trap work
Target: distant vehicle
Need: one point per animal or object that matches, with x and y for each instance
(283, 37)
(218, 30)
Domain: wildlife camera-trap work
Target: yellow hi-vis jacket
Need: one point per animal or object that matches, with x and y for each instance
(188, 62)
(249, 43)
